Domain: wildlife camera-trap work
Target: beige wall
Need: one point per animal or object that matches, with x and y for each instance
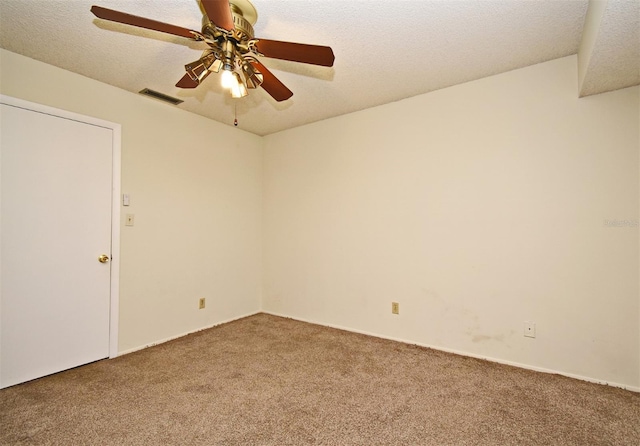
(477, 208)
(195, 188)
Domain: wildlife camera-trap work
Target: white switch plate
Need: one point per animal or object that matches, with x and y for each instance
(125, 200)
(129, 220)
(530, 329)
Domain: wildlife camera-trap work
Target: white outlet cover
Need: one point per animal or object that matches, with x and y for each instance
(530, 329)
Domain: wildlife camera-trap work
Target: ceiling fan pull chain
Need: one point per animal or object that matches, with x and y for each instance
(235, 114)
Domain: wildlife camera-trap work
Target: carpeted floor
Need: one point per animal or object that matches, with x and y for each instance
(265, 380)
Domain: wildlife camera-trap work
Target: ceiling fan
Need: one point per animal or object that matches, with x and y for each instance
(227, 28)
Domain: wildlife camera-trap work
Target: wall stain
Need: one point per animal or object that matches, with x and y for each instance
(482, 338)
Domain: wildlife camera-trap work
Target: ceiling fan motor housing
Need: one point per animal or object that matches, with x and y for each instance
(243, 28)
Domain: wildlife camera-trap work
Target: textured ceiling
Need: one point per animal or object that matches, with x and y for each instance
(386, 50)
(614, 56)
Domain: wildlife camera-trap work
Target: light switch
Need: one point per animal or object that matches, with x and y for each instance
(129, 220)
(125, 200)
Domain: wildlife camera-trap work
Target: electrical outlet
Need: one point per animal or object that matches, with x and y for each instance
(201, 303)
(530, 329)
(395, 307)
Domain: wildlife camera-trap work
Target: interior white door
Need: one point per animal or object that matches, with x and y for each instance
(55, 221)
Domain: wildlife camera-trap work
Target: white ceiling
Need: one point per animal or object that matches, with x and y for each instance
(386, 50)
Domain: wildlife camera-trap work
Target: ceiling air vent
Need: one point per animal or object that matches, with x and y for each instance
(161, 96)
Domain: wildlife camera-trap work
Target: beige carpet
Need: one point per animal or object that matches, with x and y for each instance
(266, 380)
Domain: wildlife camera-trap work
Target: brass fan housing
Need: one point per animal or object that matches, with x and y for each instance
(244, 17)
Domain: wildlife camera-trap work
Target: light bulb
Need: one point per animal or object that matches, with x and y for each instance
(238, 90)
(228, 79)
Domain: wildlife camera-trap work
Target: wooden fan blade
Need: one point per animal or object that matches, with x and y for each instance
(187, 82)
(219, 12)
(128, 19)
(296, 52)
(271, 84)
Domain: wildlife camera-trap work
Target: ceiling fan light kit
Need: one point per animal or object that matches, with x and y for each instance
(227, 29)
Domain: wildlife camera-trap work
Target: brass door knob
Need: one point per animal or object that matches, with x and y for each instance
(103, 258)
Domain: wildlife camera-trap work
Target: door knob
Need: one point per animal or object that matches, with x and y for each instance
(103, 258)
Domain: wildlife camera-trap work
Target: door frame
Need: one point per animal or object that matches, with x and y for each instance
(115, 201)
